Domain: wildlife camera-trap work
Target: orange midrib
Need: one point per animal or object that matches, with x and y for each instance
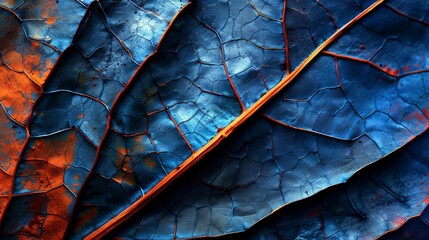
(196, 156)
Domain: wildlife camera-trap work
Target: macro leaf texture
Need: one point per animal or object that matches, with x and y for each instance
(32, 37)
(239, 119)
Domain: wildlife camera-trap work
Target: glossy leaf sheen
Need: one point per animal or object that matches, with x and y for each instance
(188, 97)
(166, 115)
(303, 143)
(141, 88)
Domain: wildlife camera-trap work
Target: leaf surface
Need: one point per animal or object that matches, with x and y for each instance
(32, 37)
(378, 199)
(70, 117)
(168, 143)
(279, 100)
(414, 228)
(300, 143)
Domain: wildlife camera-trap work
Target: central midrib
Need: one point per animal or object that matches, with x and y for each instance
(225, 132)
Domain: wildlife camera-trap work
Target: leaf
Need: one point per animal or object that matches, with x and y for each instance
(414, 228)
(69, 119)
(32, 37)
(375, 200)
(296, 149)
(120, 111)
(191, 102)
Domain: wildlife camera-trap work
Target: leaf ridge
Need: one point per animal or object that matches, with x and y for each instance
(225, 132)
(118, 96)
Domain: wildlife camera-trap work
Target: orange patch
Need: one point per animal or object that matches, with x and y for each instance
(14, 60)
(57, 149)
(6, 186)
(37, 66)
(127, 164)
(3, 204)
(118, 177)
(41, 176)
(421, 118)
(58, 207)
(10, 146)
(36, 207)
(59, 200)
(138, 144)
(122, 150)
(426, 201)
(398, 221)
(426, 111)
(17, 92)
(129, 179)
(150, 163)
(392, 71)
(50, 16)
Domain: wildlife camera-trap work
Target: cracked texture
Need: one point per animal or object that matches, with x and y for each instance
(414, 228)
(376, 200)
(210, 56)
(31, 39)
(301, 143)
(73, 111)
(134, 97)
(245, 182)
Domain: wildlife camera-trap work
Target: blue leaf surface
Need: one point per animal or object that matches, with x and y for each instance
(342, 113)
(215, 71)
(98, 118)
(378, 199)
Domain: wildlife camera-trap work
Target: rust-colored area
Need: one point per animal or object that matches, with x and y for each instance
(48, 11)
(418, 116)
(426, 201)
(36, 65)
(138, 143)
(57, 150)
(390, 71)
(123, 151)
(13, 60)
(24, 67)
(3, 203)
(43, 167)
(35, 206)
(11, 143)
(383, 67)
(18, 93)
(125, 172)
(40, 176)
(398, 221)
(46, 214)
(150, 163)
(127, 164)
